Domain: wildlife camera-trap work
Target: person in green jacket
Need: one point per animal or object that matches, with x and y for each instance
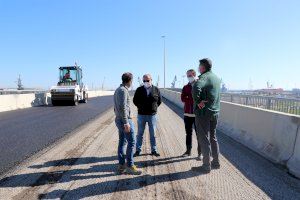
(206, 96)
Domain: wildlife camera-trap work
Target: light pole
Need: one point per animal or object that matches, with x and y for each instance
(103, 83)
(164, 38)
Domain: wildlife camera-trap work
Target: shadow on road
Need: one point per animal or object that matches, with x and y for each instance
(72, 161)
(257, 169)
(55, 175)
(112, 186)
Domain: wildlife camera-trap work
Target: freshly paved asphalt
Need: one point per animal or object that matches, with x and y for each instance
(24, 132)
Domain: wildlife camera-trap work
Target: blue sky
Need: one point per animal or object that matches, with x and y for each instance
(249, 39)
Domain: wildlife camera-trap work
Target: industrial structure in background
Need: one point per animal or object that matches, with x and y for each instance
(173, 84)
(224, 88)
(140, 81)
(19, 83)
(102, 87)
(157, 82)
(270, 90)
(296, 92)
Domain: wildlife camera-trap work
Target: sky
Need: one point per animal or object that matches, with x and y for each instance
(249, 42)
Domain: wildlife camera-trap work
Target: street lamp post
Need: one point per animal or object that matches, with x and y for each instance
(164, 38)
(103, 83)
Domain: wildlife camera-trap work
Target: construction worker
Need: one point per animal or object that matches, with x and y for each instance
(67, 76)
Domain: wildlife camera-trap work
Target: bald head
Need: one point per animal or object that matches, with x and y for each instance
(147, 76)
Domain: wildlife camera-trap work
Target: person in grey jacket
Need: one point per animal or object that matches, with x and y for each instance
(125, 126)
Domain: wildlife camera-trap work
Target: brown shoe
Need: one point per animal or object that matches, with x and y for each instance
(121, 169)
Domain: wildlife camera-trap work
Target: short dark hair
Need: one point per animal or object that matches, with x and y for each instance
(206, 62)
(126, 77)
(191, 70)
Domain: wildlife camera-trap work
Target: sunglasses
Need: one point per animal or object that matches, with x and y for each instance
(146, 81)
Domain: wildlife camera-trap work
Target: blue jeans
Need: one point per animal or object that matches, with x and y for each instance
(142, 120)
(123, 137)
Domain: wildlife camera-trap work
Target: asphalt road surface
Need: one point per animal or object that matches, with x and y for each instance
(24, 132)
(83, 166)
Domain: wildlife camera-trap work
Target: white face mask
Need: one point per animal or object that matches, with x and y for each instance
(191, 79)
(147, 84)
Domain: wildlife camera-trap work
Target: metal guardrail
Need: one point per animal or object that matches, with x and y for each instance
(285, 105)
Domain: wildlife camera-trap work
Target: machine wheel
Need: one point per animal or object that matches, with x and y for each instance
(54, 102)
(76, 101)
(85, 99)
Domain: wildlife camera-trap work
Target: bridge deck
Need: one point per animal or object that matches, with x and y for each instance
(83, 165)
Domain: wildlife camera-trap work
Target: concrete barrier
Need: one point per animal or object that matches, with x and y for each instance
(272, 134)
(97, 93)
(19, 101)
(294, 162)
(172, 96)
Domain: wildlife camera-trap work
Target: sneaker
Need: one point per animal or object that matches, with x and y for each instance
(133, 170)
(137, 153)
(215, 165)
(199, 157)
(186, 154)
(121, 169)
(155, 153)
(202, 169)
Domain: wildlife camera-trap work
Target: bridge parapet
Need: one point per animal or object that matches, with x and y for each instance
(19, 101)
(272, 134)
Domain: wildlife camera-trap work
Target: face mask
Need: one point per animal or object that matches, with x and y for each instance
(147, 84)
(191, 79)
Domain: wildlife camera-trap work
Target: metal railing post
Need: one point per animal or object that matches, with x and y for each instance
(268, 103)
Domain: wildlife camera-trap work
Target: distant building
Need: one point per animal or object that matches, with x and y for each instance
(296, 92)
(270, 91)
(223, 88)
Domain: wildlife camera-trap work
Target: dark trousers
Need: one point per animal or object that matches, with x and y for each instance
(189, 122)
(206, 133)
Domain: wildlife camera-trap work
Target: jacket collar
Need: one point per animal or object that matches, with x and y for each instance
(123, 85)
(151, 89)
